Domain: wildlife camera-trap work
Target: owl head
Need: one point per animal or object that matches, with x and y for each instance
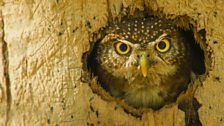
(142, 48)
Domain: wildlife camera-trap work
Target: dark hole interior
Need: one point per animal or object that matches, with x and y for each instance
(198, 64)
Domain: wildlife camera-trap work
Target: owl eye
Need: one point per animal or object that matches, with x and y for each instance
(122, 48)
(163, 46)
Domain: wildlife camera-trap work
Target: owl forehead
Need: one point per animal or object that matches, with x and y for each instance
(142, 30)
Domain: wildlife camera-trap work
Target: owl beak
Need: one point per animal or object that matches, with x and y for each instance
(144, 65)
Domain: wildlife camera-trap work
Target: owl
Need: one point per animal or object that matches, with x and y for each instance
(144, 62)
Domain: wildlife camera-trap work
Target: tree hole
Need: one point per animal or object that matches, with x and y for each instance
(142, 76)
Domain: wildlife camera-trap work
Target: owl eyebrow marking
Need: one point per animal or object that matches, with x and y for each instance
(161, 37)
(127, 42)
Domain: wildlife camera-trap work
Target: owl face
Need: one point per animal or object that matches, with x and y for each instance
(145, 62)
(142, 48)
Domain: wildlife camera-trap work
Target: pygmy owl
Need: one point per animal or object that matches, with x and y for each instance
(145, 62)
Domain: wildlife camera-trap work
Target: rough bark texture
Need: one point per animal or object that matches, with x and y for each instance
(41, 66)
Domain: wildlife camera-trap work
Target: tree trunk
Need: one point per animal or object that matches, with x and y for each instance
(42, 44)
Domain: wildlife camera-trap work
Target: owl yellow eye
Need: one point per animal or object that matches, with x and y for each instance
(122, 48)
(163, 46)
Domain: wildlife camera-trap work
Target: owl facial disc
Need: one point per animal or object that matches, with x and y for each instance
(143, 58)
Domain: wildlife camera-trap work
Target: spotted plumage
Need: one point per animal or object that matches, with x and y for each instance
(145, 62)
